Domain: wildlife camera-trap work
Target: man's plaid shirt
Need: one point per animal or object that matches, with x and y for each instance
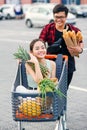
(48, 32)
(48, 35)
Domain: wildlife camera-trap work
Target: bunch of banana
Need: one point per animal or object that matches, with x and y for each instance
(71, 38)
(31, 107)
(24, 55)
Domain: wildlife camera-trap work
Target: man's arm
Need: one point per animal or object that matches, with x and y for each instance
(43, 34)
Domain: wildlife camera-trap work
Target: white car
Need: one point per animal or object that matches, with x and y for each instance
(41, 14)
(8, 10)
(78, 10)
(1, 16)
(71, 18)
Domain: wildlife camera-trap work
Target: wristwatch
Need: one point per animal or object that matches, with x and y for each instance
(81, 51)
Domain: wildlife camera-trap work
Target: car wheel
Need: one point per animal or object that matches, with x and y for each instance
(1, 18)
(29, 23)
(8, 16)
(77, 16)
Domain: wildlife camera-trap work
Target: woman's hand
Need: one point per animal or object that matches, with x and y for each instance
(33, 59)
(36, 72)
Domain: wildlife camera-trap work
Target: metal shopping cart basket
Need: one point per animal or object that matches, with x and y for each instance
(28, 107)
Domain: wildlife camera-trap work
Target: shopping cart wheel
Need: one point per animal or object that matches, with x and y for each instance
(67, 129)
(23, 128)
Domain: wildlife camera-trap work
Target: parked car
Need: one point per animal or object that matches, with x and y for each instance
(8, 10)
(78, 11)
(1, 16)
(83, 6)
(84, 9)
(41, 14)
(71, 18)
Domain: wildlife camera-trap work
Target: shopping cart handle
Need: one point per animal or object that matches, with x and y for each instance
(53, 56)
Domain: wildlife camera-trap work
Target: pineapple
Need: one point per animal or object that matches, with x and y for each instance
(30, 107)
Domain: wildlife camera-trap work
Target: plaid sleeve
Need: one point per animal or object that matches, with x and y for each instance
(48, 33)
(43, 34)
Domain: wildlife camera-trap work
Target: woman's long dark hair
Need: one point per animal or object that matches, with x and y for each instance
(34, 41)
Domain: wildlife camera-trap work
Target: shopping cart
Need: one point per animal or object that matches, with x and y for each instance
(28, 107)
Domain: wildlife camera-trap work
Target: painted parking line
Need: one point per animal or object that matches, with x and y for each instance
(78, 88)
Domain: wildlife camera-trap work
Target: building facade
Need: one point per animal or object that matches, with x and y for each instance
(44, 1)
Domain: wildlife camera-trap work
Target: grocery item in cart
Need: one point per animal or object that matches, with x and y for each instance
(31, 107)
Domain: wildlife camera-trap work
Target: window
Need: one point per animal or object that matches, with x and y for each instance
(34, 10)
(43, 11)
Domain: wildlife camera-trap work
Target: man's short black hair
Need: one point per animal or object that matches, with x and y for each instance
(60, 8)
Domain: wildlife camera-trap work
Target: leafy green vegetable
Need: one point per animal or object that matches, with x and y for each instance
(47, 85)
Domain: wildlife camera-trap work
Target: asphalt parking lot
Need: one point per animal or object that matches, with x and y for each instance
(12, 34)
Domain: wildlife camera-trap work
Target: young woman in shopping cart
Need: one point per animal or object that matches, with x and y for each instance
(37, 53)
